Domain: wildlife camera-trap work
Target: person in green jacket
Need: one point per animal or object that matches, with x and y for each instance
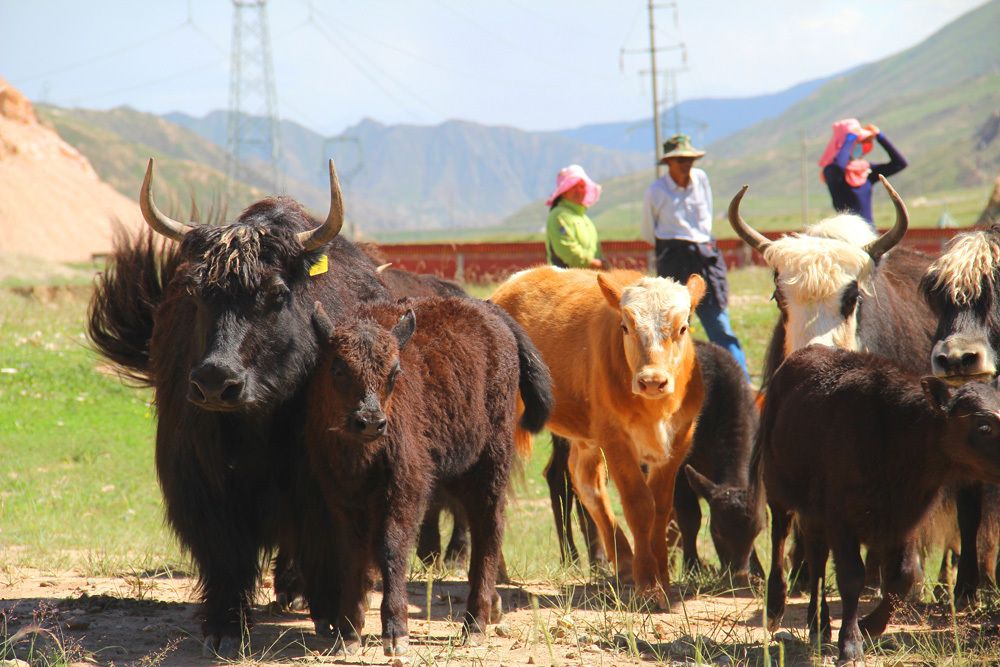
(570, 236)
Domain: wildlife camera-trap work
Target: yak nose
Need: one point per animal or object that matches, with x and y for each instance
(962, 356)
(215, 384)
(653, 383)
(370, 424)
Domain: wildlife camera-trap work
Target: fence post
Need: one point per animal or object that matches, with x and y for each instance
(460, 267)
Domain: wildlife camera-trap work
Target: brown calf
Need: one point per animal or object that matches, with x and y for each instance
(395, 411)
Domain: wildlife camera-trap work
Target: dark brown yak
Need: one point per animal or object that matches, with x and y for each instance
(221, 327)
(852, 446)
(396, 410)
(837, 284)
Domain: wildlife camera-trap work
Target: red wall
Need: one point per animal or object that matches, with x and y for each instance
(491, 262)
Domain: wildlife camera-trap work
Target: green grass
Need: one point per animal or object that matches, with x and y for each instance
(78, 491)
(77, 482)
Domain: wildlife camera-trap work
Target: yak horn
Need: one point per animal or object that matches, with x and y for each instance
(382, 267)
(315, 238)
(751, 236)
(884, 243)
(160, 223)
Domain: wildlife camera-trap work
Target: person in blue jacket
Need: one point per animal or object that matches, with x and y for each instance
(848, 175)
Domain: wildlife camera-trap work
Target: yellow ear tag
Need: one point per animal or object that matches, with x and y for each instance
(322, 265)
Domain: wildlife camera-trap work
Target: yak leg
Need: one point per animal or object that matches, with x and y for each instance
(688, 511)
(429, 540)
(662, 482)
(457, 552)
(586, 467)
(640, 507)
(595, 550)
(777, 589)
(900, 567)
(817, 553)
(483, 605)
(969, 501)
(850, 581)
(289, 591)
(561, 496)
(392, 548)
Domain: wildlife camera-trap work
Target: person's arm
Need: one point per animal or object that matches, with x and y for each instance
(648, 218)
(896, 163)
(844, 154)
(564, 244)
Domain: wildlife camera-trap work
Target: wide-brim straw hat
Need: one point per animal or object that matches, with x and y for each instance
(679, 145)
(570, 176)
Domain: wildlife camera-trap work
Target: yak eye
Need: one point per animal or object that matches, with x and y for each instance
(683, 330)
(984, 427)
(338, 368)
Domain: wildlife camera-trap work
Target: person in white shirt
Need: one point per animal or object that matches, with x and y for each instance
(677, 220)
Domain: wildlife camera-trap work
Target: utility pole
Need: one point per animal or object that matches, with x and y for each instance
(252, 127)
(652, 71)
(652, 75)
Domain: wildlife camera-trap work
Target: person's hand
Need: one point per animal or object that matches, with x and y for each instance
(596, 263)
(871, 127)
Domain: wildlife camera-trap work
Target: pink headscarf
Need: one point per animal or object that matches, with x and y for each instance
(857, 170)
(570, 176)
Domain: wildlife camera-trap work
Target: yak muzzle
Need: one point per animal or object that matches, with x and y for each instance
(960, 358)
(369, 424)
(215, 386)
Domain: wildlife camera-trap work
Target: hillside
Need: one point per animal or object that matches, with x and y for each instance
(706, 119)
(119, 141)
(937, 101)
(53, 205)
(456, 174)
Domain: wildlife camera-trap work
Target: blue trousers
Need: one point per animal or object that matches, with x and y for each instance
(715, 320)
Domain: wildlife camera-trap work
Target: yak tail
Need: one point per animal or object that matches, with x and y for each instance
(534, 383)
(126, 295)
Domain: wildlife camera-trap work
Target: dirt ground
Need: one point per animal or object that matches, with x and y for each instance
(152, 620)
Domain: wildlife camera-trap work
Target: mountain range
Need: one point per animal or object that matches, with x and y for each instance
(937, 100)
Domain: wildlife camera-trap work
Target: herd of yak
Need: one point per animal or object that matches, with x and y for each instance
(318, 406)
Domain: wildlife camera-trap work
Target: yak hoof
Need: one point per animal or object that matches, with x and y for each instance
(322, 627)
(227, 648)
(296, 603)
(773, 622)
(852, 654)
(347, 645)
(496, 609)
(396, 646)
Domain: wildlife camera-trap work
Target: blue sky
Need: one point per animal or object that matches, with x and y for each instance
(534, 64)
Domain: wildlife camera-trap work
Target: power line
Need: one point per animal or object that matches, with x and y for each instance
(144, 43)
(148, 83)
(364, 71)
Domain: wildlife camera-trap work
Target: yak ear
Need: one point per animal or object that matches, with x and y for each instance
(937, 392)
(701, 485)
(696, 288)
(321, 322)
(612, 292)
(405, 327)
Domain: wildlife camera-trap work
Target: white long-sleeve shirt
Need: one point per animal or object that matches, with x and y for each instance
(672, 212)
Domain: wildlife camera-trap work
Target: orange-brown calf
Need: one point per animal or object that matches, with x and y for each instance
(628, 390)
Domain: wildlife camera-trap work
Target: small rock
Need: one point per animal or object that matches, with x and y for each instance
(572, 655)
(14, 663)
(46, 583)
(531, 659)
(501, 631)
(77, 624)
(784, 636)
(661, 630)
(399, 662)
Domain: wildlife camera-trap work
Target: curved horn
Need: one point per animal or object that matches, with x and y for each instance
(314, 238)
(160, 223)
(751, 236)
(884, 243)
